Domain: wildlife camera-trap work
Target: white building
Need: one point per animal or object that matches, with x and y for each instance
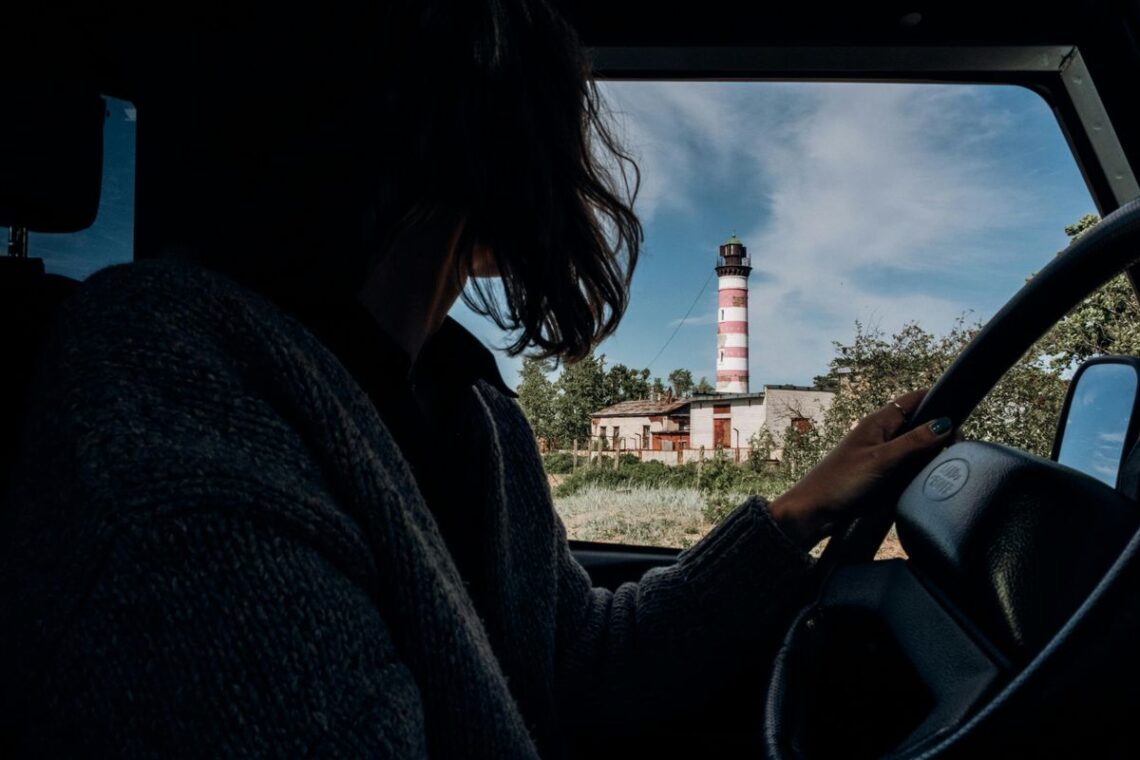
(642, 424)
(728, 421)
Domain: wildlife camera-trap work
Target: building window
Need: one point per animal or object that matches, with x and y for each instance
(722, 315)
(721, 409)
(645, 436)
(617, 432)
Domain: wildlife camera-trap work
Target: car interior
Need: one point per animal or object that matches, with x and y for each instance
(1011, 627)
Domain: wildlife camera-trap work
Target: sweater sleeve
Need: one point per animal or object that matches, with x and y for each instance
(666, 649)
(678, 639)
(210, 634)
(186, 583)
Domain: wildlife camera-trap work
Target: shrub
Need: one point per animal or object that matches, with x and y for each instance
(723, 484)
(558, 463)
(718, 506)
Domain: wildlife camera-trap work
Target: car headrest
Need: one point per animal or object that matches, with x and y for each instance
(51, 151)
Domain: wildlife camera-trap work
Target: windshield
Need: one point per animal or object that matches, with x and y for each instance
(812, 250)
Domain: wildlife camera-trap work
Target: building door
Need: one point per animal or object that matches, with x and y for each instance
(722, 434)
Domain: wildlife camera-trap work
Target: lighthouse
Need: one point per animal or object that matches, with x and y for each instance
(732, 270)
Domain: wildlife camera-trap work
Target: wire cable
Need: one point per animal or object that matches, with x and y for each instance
(682, 320)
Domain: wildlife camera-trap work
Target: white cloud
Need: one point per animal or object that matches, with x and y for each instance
(860, 184)
(678, 135)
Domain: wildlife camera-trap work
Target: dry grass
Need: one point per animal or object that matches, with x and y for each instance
(646, 516)
(891, 548)
(639, 515)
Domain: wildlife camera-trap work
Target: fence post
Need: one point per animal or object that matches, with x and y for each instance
(700, 465)
(574, 458)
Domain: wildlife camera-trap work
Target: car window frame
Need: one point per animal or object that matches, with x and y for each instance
(1056, 73)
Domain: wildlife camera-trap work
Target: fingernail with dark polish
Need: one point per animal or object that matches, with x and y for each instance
(940, 425)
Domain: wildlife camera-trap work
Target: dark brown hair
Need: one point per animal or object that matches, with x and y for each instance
(306, 153)
(506, 128)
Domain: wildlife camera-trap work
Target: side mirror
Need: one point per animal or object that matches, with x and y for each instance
(1099, 422)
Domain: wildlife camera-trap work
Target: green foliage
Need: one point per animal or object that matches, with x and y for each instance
(558, 463)
(723, 483)
(681, 381)
(559, 411)
(581, 390)
(803, 448)
(629, 473)
(718, 506)
(1020, 411)
(704, 387)
(537, 397)
(761, 448)
(625, 384)
(1107, 322)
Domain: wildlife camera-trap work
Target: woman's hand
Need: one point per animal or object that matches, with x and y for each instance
(836, 486)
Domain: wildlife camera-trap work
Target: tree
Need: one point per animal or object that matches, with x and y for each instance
(537, 397)
(560, 411)
(681, 381)
(1021, 410)
(657, 388)
(704, 387)
(1106, 322)
(581, 390)
(625, 384)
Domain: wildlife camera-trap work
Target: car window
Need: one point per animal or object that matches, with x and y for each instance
(110, 240)
(812, 249)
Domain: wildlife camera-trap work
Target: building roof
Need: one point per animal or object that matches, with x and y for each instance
(812, 388)
(643, 408)
(727, 398)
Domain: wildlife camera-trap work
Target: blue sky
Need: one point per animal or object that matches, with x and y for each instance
(872, 202)
(882, 203)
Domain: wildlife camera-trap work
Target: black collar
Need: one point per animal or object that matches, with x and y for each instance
(451, 357)
(456, 353)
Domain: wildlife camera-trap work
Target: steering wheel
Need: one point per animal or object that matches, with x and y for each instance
(1017, 567)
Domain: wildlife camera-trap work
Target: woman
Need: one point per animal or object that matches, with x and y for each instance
(231, 533)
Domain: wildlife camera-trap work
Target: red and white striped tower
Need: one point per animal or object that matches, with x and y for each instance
(732, 270)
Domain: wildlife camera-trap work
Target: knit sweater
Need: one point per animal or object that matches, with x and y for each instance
(212, 545)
